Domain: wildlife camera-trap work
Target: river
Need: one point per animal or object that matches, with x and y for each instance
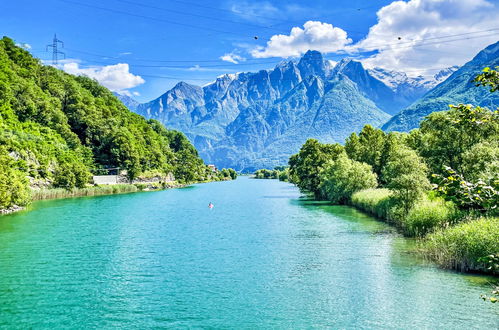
(263, 257)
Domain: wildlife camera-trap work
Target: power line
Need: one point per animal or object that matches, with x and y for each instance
(55, 51)
(151, 18)
(196, 15)
(375, 47)
(259, 61)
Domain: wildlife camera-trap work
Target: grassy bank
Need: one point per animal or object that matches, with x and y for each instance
(426, 216)
(461, 247)
(54, 193)
(451, 238)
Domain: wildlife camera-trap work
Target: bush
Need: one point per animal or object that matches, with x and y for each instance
(343, 177)
(468, 195)
(429, 215)
(377, 202)
(406, 174)
(460, 247)
(284, 175)
(13, 183)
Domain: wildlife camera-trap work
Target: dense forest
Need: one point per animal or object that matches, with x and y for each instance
(58, 129)
(439, 182)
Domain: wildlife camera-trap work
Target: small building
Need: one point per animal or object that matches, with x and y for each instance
(213, 167)
(105, 179)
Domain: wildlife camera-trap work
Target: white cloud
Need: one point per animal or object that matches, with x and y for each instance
(413, 35)
(24, 45)
(232, 58)
(117, 77)
(315, 35)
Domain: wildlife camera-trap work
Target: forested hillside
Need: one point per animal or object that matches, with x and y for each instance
(58, 129)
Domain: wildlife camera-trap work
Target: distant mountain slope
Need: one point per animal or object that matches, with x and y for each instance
(458, 88)
(252, 120)
(128, 101)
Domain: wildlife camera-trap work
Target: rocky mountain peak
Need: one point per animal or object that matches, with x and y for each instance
(312, 64)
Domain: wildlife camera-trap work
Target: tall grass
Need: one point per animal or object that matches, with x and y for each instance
(377, 202)
(424, 217)
(53, 193)
(428, 215)
(459, 247)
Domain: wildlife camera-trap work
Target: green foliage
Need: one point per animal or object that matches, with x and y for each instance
(227, 174)
(62, 127)
(284, 175)
(489, 78)
(279, 172)
(40, 194)
(266, 174)
(428, 215)
(481, 162)
(367, 147)
(477, 195)
(406, 174)
(13, 182)
(462, 247)
(378, 202)
(306, 165)
(445, 137)
(343, 177)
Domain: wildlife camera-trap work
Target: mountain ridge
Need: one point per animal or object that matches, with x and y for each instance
(457, 88)
(250, 120)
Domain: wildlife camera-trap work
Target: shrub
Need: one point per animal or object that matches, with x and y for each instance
(460, 247)
(468, 195)
(284, 175)
(377, 202)
(405, 174)
(343, 177)
(13, 183)
(429, 215)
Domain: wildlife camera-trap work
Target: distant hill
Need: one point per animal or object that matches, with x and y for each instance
(255, 120)
(458, 88)
(58, 128)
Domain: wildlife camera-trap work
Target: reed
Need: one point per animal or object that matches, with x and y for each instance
(377, 202)
(54, 193)
(460, 247)
(428, 215)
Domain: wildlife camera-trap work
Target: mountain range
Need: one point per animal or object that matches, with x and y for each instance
(258, 119)
(457, 88)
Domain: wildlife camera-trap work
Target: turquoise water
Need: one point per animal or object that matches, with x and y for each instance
(263, 257)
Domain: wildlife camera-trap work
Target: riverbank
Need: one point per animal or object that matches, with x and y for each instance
(449, 237)
(97, 190)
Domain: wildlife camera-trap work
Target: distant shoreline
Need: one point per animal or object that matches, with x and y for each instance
(102, 190)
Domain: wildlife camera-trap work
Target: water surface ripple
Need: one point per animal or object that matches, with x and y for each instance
(263, 257)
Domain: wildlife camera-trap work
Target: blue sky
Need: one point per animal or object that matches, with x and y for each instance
(145, 47)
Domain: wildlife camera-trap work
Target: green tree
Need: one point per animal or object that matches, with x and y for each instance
(305, 167)
(367, 147)
(406, 175)
(446, 136)
(343, 177)
(489, 78)
(481, 162)
(14, 189)
(477, 195)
